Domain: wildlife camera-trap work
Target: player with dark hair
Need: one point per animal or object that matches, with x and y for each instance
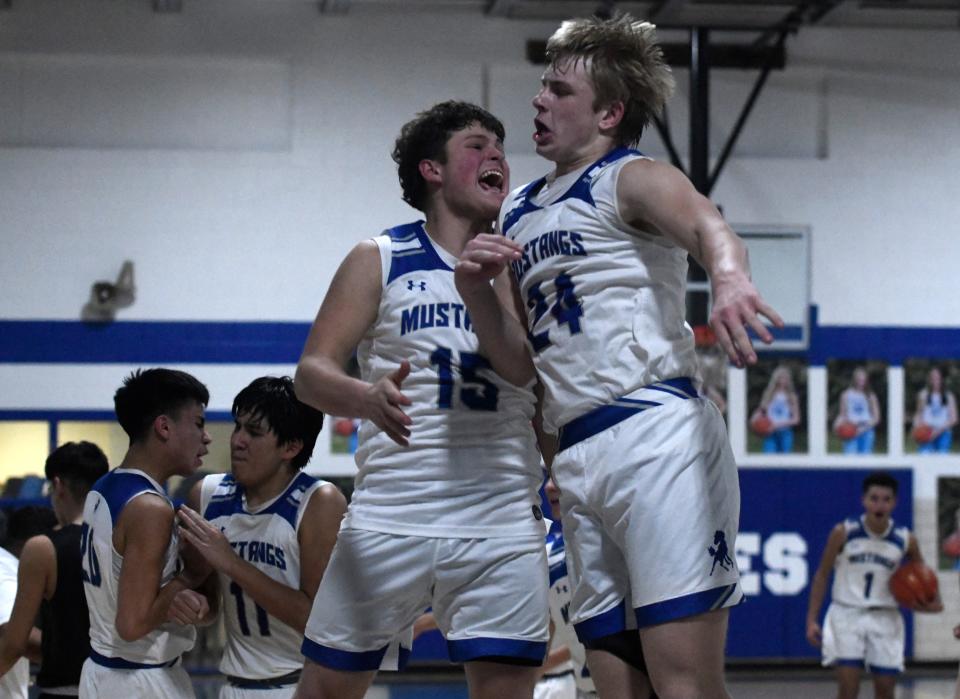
(49, 578)
(445, 511)
(129, 544)
(863, 628)
(267, 529)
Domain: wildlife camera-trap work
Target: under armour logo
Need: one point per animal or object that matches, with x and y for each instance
(411, 285)
(720, 554)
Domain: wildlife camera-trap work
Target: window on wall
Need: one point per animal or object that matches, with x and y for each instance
(25, 443)
(109, 436)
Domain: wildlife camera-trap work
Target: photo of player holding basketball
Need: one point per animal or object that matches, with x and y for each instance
(778, 392)
(863, 629)
(857, 397)
(930, 394)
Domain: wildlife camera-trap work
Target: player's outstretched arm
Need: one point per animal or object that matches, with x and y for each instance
(348, 310)
(657, 197)
(36, 579)
(142, 537)
(818, 586)
(914, 554)
(495, 309)
(317, 535)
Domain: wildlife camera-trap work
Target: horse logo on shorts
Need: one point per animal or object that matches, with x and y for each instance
(721, 553)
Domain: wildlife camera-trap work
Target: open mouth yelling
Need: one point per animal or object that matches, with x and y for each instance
(541, 133)
(492, 180)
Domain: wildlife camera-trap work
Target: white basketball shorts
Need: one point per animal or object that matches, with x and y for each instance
(489, 597)
(863, 637)
(99, 682)
(650, 503)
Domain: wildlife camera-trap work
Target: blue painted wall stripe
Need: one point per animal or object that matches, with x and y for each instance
(250, 342)
(143, 342)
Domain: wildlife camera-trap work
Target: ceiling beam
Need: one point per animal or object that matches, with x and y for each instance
(664, 8)
(333, 7)
(167, 6)
(499, 8)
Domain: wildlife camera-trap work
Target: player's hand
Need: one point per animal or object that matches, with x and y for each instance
(737, 305)
(814, 634)
(382, 405)
(956, 631)
(483, 259)
(196, 568)
(187, 608)
(208, 540)
(930, 607)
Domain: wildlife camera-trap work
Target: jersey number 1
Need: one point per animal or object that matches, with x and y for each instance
(263, 621)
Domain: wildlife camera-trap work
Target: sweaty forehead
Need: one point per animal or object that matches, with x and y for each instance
(475, 130)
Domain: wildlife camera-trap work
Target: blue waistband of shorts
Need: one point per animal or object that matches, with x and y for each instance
(597, 420)
(121, 664)
(266, 683)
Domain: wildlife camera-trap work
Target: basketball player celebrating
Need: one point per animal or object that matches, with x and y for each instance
(598, 250)
(49, 578)
(129, 545)
(445, 508)
(267, 529)
(863, 627)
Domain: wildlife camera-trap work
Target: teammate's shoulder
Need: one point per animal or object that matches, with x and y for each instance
(326, 495)
(145, 512)
(39, 547)
(365, 250)
(900, 535)
(849, 526)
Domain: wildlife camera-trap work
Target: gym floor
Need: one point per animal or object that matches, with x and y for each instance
(926, 682)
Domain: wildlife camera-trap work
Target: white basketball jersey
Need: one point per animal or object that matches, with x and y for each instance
(858, 407)
(779, 409)
(101, 572)
(606, 302)
(861, 576)
(563, 631)
(936, 411)
(259, 646)
(13, 684)
(472, 468)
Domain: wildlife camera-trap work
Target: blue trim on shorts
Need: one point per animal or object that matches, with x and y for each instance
(465, 650)
(604, 624)
(849, 662)
(688, 605)
(403, 657)
(121, 664)
(605, 416)
(350, 661)
(879, 670)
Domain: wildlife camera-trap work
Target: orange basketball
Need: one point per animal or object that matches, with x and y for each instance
(951, 545)
(761, 424)
(846, 430)
(922, 433)
(914, 584)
